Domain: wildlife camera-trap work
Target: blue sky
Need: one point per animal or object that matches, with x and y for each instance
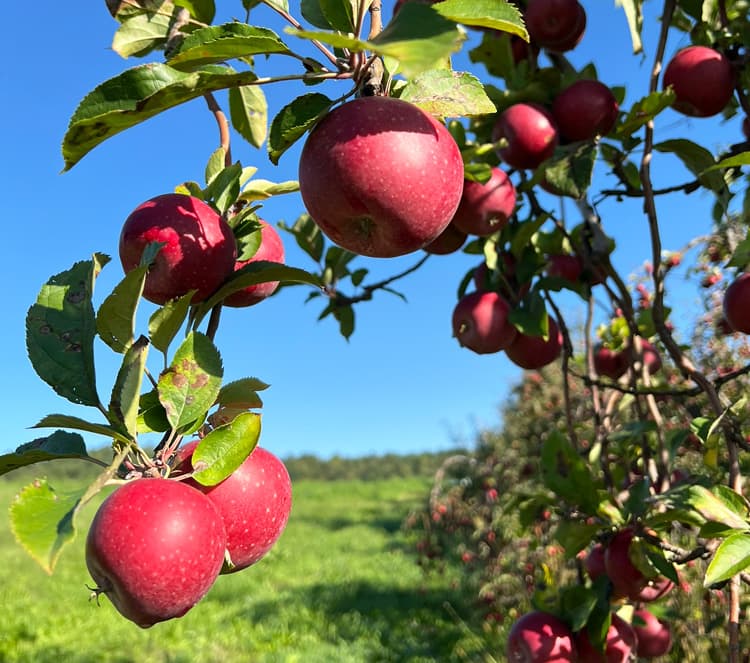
(401, 383)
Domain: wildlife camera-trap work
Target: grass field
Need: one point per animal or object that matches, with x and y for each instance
(339, 586)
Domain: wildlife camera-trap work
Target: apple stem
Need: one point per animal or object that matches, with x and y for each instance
(223, 124)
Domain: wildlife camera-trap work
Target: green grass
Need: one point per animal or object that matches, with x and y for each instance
(340, 585)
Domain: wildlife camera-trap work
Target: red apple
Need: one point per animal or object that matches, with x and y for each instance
(448, 241)
(610, 363)
(557, 25)
(486, 207)
(737, 303)
(530, 132)
(654, 590)
(565, 267)
(254, 503)
(154, 548)
(539, 637)
(702, 80)
(480, 322)
(272, 249)
(595, 562)
(198, 253)
(654, 635)
(381, 177)
(618, 646)
(651, 357)
(533, 352)
(584, 110)
(627, 579)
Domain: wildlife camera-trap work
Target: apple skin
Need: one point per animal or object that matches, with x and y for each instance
(737, 304)
(199, 250)
(254, 503)
(567, 267)
(448, 241)
(539, 637)
(594, 562)
(651, 357)
(480, 322)
(620, 642)
(627, 579)
(154, 548)
(654, 635)
(381, 177)
(557, 25)
(531, 134)
(533, 352)
(702, 80)
(610, 363)
(485, 207)
(271, 249)
(584, 110)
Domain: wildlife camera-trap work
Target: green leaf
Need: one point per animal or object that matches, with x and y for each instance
(345, 317)
(313, 13)
(188, 388)
(42, 521)
(531, 318)
(485, 14)
(741, 256)
(697, 160)
(248, 111)
(152, 417)
(308, 235)
(741, 159)
(242, 393)
(201, 10)
(136, 95)
(60, 330)
(225, 187)
(76, 423)
(577, 603)
(574, 535)
(339, 14)
(263, 189)
(293, 120)
(215, 164)
(643, 111)
(448, 94)
(570, 169)
(565, 473)
(731, 557)
(218, 43)
(713, 505)
(115, 320)
(634, 16)
(225, 448)
(141, 34)
(60, 444)
(123, 405)
(166, 321)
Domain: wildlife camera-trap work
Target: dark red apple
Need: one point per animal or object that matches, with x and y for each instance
(254, 503)
(627, 579)
(154, 548)
(530, 132)
(610, 363)
(621, 641)
(448, 241)
(534, 352)
(654, 590)
(702, 80)
(584, 110)
(381, 177)
(485, 207)
(557, 25)
(566, 267)
(594, 562)
(198, 253)
(539, 637)
(654, 635)
(737, 304)
(271, 249)
(480, 322)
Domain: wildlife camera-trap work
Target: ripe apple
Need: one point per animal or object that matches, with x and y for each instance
(584, 110)
(566, 267)
(610, 363)
(737, 303)
(654, 635)
(254, 503)
(702, 80)
(198, 253)
(539, 637)
(594, 562)
(485, 207)
(654, 590)
(627, 579)
(619, 644)
(533, 352)
(154, 548)
(448, 241)
(530, 132)
(272, 249)
(381, 177)
(557, 25)
(480, 322)
(651, 357)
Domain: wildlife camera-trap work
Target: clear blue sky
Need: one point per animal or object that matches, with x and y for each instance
(401, 383)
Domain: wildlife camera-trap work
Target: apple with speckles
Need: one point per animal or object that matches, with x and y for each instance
(480, 322)
(485, 207)
(530, 135)
(702, 80)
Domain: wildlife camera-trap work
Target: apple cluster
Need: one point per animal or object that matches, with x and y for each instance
(157, 545)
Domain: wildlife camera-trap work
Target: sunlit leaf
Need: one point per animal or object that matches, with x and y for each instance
(225, 448)
(60, 444)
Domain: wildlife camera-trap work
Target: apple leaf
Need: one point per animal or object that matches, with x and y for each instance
(293, 120)
(570, 169)
(123, 405)
(574, 535)
(577, 604)
(644, 110)
(166, 321)
(60, 331)
(485, 14)
(248, 110)
(76, 423)
(225, 448)
(115, 320)
(42, 521)
(224, 187)
(308, 235)
(446, 93)
(136, 95)
(218, 43)
(263, 189)
(202, 10)
(731, 557)
(531, 318)
(152, 417)
(565, 473)
(339, 14)
(713, 505)
(735, 161)
(312, 12)
(697, 160)
(242, 393)
(60, 444)
(142, 33)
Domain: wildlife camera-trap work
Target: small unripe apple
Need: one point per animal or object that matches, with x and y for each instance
(530, 132)
(485, 207)
(702, 80)
(654, 635)
(584, 110)
(271, 249)
(448, 241)
(610, 363)
(154, 548)
(480, 322)
(381, 177)
(619, 644)
(198, 253)
(539, 637)
(737, 303)
(534, 352)
(557, 25)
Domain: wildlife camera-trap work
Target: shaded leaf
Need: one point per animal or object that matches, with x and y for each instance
(293, 120)
(225, 448)
(566, 474)
(570, 169)
(308, 235)
(166, 321)
(115, 319)
(697, 160)
(60, 444)
(124, 403)
(644, 110)
(202, 10)
(76, 423)
(742, 159)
